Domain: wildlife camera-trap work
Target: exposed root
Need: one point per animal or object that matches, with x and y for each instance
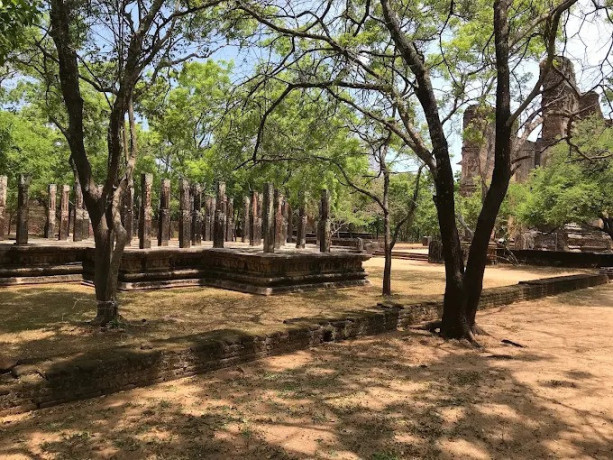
(433, 326)
(480, 331)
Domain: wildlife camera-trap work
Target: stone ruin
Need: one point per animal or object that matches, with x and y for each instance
(562, 101)
(266, 217)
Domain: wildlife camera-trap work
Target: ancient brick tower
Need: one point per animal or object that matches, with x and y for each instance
(561, 101)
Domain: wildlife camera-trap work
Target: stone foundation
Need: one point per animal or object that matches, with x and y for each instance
(33, 385)
(40, 264)
(244, 271)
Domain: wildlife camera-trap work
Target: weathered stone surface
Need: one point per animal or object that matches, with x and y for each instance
(278, 209)
(77, 230)
(324, 222)
(209, 217)
(246, 228)
(3, 222)
(268, 219)
(219, 227)
(230, 230)
(164, 214)
(259, 225)
(146, 212)
(253, 220)
(244, 271)
(196, 214)
(185, 214)
(289, 219)
(51, 205)
(64, 213)
(302, 223)
(23, 208)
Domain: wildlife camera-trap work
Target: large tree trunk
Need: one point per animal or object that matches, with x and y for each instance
(387, 237)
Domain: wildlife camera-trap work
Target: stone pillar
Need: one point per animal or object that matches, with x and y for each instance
(144, 219)
(268, 219)
(77, 223)
(253, 220)
(246, 220)
(289, 218)
(64, 213)
(230, 222)
(219, 226)
(278, 208)
(185, 219)
(51, 205)
(197, 215)
(164, 214)
(259, 225)
(209, 218)
(22, 209)
(302, 223)
(3, 190)
(324, 222)
(127, 214)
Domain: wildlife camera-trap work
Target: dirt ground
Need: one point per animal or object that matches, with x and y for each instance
(50, 320)
(395, 396)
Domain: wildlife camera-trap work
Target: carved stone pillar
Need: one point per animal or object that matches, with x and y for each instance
(3, 190)
(64, 213)
(144, 220)
(77, 223)
(197, 215)
(219, 227)
(302, 223)
(230, 221)
(259, 226)
(289, 216)
(324, 222)
(278, 209)
(185, 219)
(253, 220)
(164, 214)
(268, 219)
(51, 205)
(23, 199)
(127, 208)
(209, 217)
(246, 220)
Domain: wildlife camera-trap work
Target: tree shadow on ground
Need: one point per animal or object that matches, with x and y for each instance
(401, 395)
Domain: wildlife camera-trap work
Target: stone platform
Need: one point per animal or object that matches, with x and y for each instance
(238, 267)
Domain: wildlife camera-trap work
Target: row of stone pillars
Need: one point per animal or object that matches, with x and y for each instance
(80, 221)
(266, 216)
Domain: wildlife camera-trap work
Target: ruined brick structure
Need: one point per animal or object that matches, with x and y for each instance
(561, 100)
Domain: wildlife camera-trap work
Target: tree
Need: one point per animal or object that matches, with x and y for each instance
(15, 17)
(141, 40)
(384, 152)
(385, 59)
(574, 186)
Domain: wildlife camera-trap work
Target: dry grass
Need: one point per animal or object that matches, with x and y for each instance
(42, 321)
(401, 395)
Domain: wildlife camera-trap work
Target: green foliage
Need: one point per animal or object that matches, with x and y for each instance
(15, 17)
(28, 145)
(572, 188)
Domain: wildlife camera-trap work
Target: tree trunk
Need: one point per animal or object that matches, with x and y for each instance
(387, 249)
(387, 236)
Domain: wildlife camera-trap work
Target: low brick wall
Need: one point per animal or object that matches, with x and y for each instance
(41, 384)
(563, 259)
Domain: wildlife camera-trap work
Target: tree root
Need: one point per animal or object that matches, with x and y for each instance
(434, 327)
